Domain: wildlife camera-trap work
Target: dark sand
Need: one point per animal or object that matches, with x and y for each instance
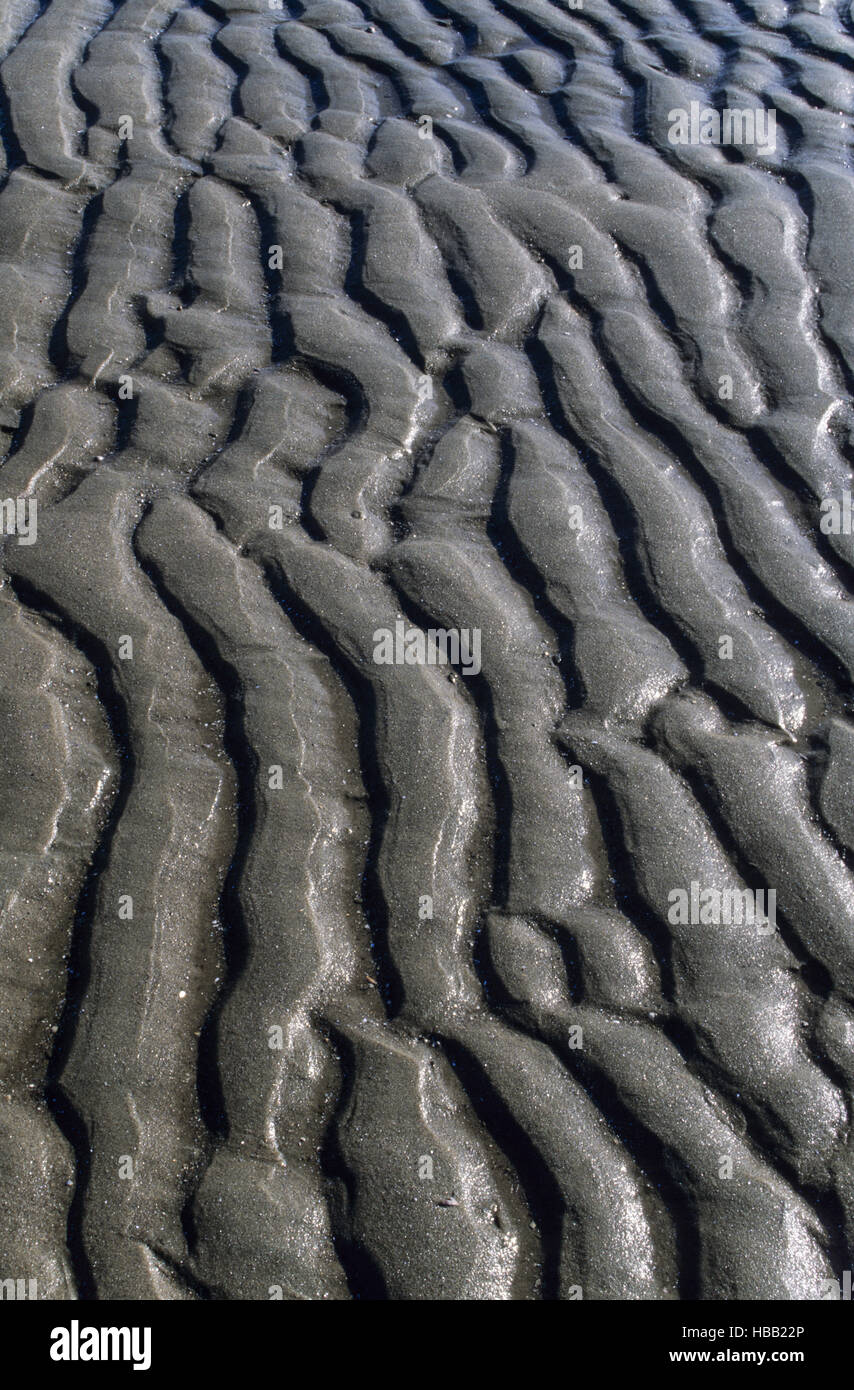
(401, 311)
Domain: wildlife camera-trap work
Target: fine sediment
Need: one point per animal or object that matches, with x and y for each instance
(328, 978)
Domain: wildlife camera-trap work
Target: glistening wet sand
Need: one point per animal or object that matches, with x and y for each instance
(350, 979)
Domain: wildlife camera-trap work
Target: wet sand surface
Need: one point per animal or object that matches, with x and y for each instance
(325, 977)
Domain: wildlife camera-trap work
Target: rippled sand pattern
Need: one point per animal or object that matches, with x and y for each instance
(322, 978)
